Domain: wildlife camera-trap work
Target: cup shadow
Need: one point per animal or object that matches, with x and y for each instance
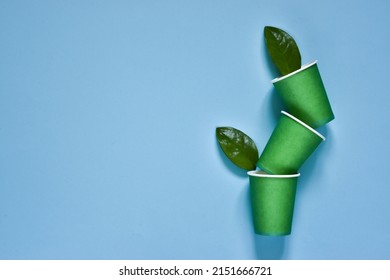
(275, 100)
(269, 247)
(309, 168)
(277, 105)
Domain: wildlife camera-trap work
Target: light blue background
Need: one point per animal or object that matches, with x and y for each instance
(107, 118)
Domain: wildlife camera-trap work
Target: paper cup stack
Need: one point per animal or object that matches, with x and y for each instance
(292, 142)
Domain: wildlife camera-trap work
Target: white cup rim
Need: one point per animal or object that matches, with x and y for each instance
(305, 125)
(262, 174)
(303, 67)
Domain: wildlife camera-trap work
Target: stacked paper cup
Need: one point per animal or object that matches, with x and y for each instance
(293, 140)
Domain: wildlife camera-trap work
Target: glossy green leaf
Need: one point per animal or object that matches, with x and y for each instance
(282, 49)
(238, 147)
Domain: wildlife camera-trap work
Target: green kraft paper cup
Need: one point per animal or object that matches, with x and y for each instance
(304, 95)
(290, 144)
(272, 201)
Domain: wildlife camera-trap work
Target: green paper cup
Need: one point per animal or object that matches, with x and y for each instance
(272, 201)
(304, 95)
(290, 144)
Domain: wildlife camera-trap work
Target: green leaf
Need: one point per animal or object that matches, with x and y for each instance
(283, 50)
(238, 147)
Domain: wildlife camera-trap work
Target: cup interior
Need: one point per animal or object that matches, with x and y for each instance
(262, 174)
(304, 124)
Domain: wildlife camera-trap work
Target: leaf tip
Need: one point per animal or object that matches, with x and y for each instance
(218, 129)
